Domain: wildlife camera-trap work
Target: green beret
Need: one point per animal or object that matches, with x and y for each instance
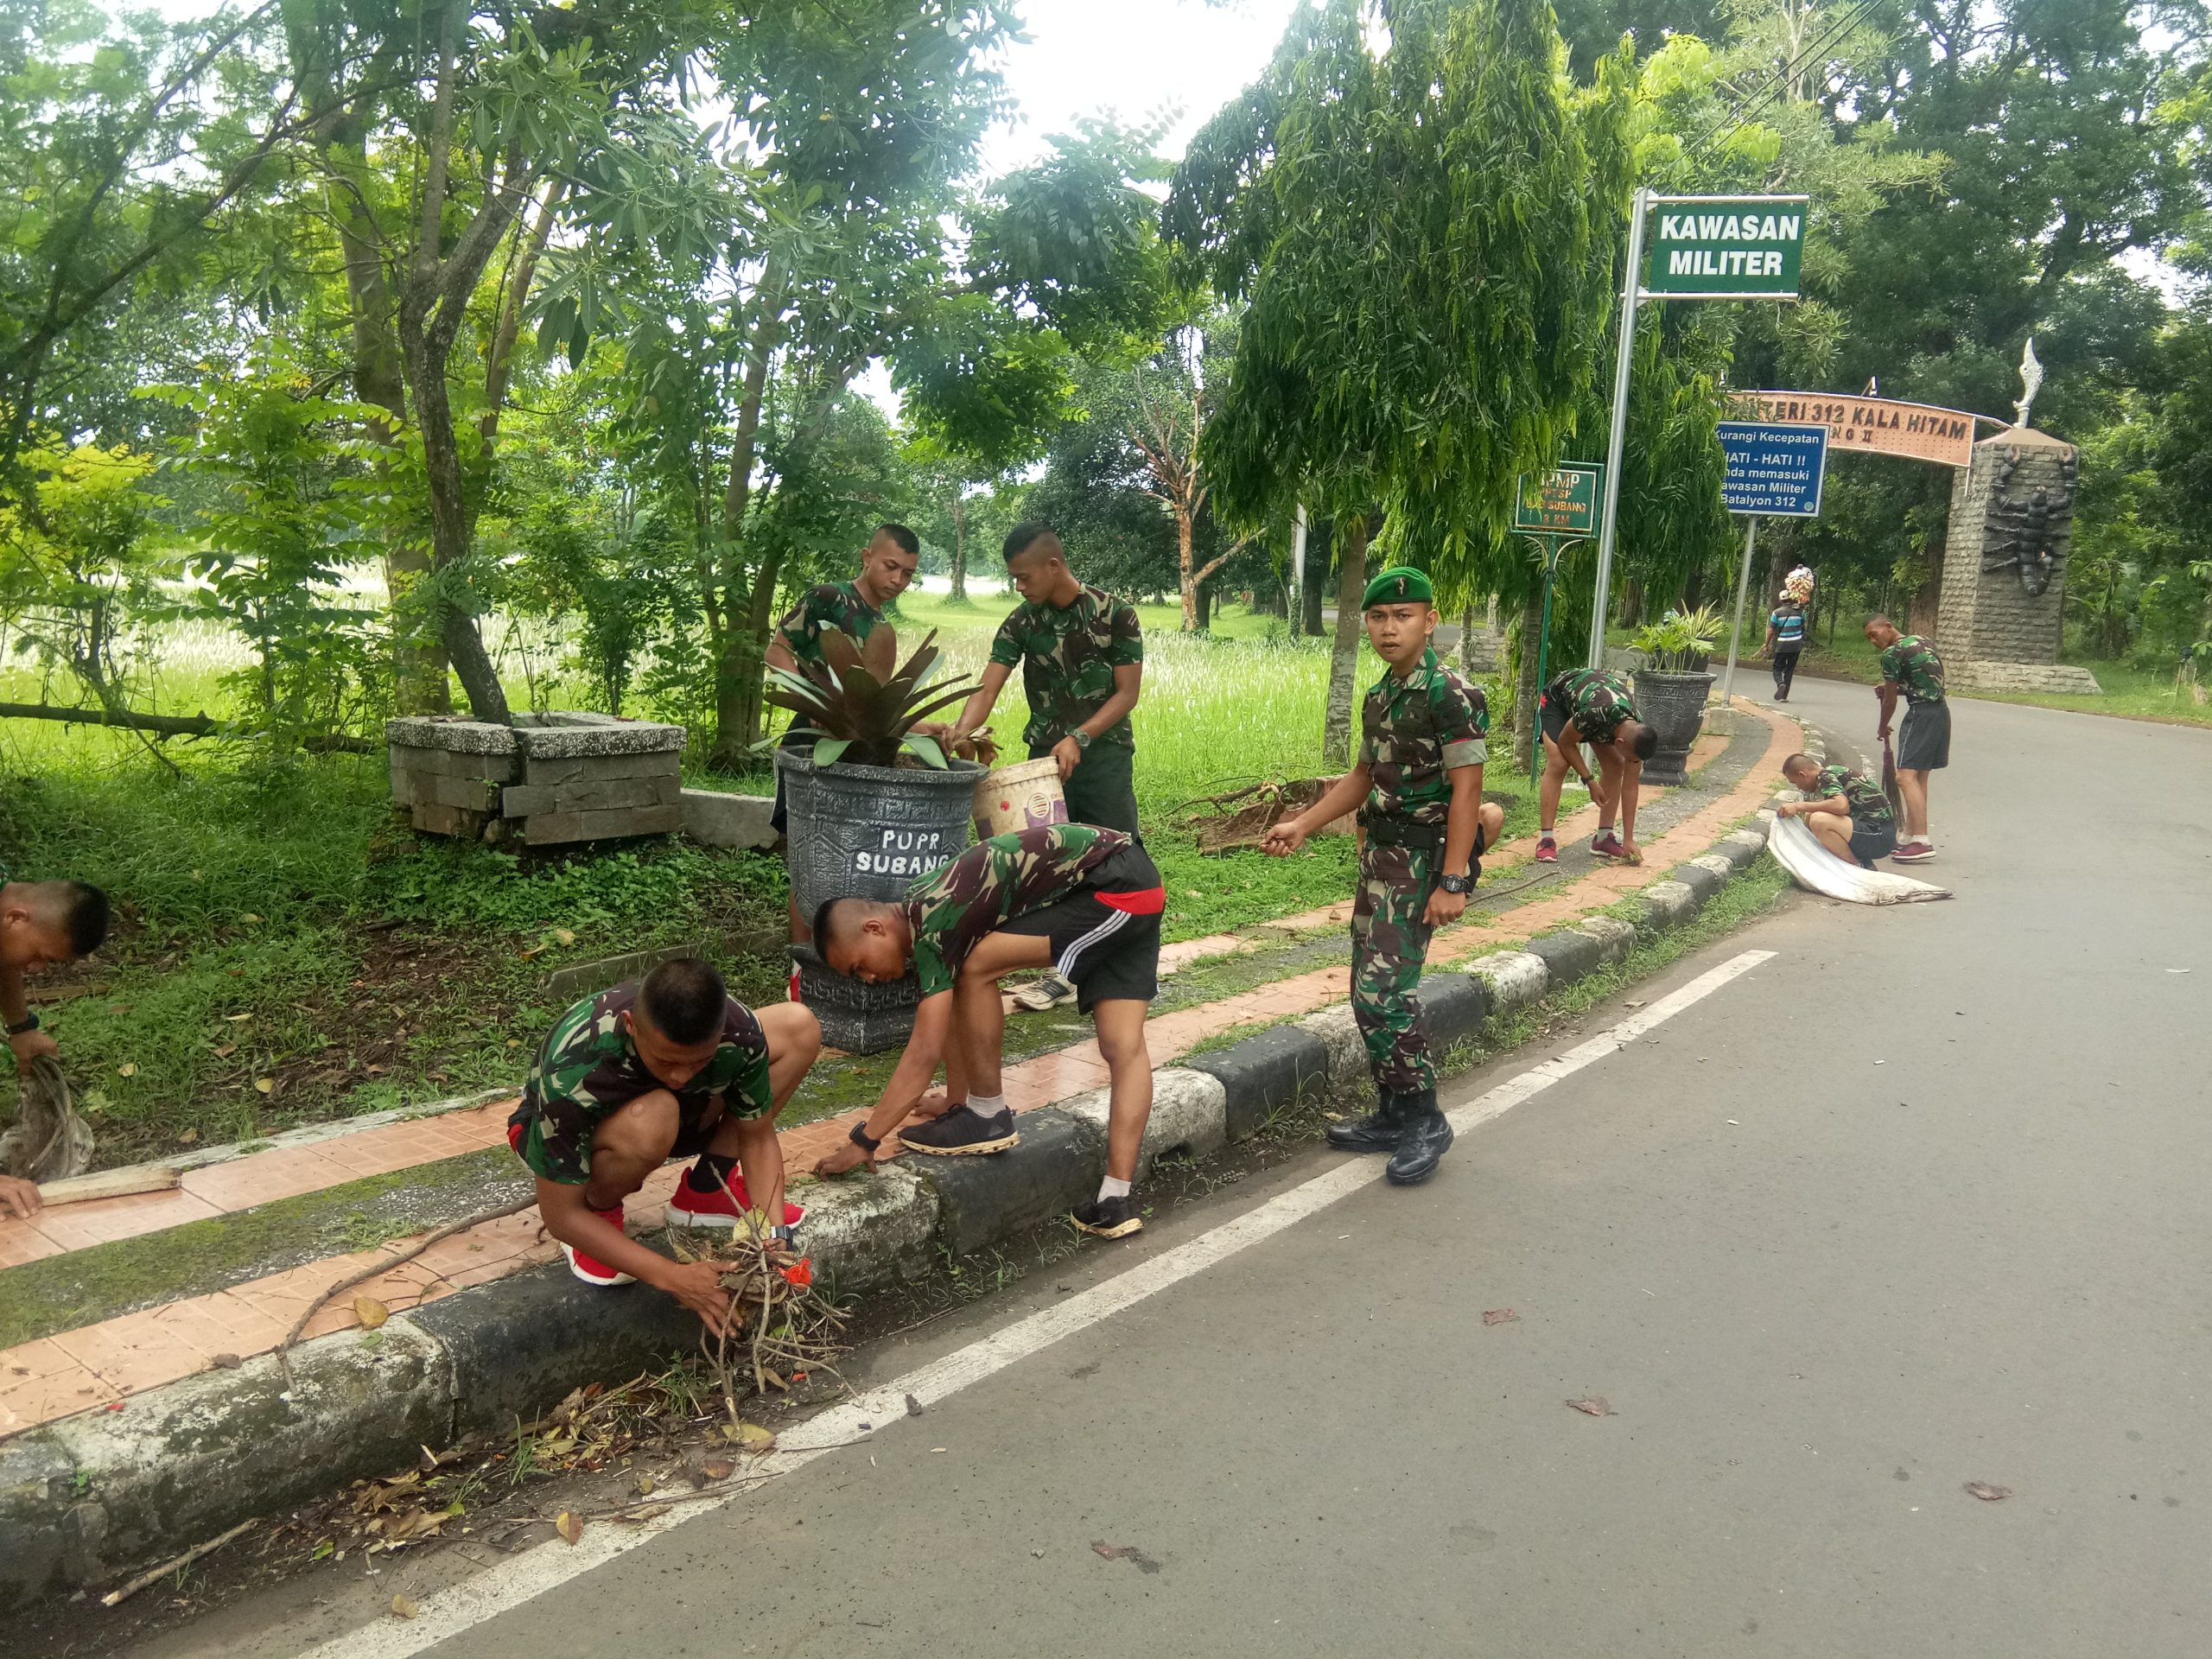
(1400, 585)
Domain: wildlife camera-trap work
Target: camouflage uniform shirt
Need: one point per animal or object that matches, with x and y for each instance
(1870, 808)
(1596, 700)
(1913, 665)
(1067, 658)
(1413, 731)
(833, 605)
(993, 882)
(589, 1069)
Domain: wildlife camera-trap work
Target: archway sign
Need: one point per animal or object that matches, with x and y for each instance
(1706, 248)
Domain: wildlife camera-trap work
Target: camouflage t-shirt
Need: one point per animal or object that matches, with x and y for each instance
(1413, 731)
(1913, 665)
(1595, 699)
(589, 1069)
(1870, 808)
(993, 882)
(834, 605)
(1068, 656)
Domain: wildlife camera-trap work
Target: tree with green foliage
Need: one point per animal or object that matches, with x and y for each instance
(1422, 235)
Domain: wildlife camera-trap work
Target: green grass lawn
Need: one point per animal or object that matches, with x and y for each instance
(287, 952)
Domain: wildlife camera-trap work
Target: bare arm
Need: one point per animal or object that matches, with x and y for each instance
(760, 1155)
(14, 1004)
(18, 1198)
(1340, 797)
(780, 654)
(1631, 786)
(1887, 692)
(910, 1078)
(1465, 814)
(697, 1285)
(977, 709)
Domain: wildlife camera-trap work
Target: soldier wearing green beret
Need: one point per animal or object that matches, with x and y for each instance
(1418, 785)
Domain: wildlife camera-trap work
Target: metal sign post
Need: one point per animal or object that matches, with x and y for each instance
(1720, 248)
(1554, 511)
(1775, 468)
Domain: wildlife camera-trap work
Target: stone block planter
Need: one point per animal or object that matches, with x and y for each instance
(1674, 706)
(546, 780)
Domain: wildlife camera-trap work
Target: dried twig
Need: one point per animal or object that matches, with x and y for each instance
(385, 1264)
(156, 1574)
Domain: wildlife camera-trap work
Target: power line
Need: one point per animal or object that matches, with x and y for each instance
(1756, 102)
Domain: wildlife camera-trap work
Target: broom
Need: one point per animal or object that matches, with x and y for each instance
(1890, 782)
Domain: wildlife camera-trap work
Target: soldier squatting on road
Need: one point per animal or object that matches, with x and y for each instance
(1418, 784)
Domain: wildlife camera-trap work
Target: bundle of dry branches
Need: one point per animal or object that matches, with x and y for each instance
(780, 1327)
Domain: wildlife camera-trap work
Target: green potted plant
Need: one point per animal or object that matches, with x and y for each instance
(874, 805)
(1672, 684)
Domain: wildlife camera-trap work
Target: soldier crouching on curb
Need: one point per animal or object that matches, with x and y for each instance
(1085, 902)
(671, 1067)
(1418, 782)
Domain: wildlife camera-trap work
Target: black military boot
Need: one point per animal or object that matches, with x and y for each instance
(1421, 1142)
(1377, 1132)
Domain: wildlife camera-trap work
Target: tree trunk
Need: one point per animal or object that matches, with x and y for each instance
(1344, 657)
(959, 594)
(1309, 600)
(1921, 609)
(1524, 671)
(1467, 640)
(1203, 598)
(1193, 618)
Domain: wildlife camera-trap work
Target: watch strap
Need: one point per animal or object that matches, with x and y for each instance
(28, 1022)
(862, 1139)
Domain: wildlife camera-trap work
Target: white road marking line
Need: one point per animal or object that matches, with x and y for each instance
(452, 1611)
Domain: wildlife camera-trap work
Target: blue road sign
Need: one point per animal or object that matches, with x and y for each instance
(1775, 468)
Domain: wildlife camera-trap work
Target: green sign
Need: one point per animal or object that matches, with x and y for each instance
(1732, 247)
(1564, 502)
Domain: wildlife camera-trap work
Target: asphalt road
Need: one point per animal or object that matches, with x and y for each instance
(1920, 1201)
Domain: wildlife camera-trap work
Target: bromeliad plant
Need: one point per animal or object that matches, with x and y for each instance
(1678, 644)
(860, 711)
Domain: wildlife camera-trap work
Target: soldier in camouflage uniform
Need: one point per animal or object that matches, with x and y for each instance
(1842, 806)
(1911, 669)
(669, 1066)
(1418, 785)
(1593, 706)
(1083, 901)
(856, 608)
(1081, 655)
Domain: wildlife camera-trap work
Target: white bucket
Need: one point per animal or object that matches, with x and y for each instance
(1024, 795)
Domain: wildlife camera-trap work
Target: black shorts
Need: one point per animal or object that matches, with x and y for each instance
(1105, 940)
(1553, 720)
(1924, 740)
(1869, 844)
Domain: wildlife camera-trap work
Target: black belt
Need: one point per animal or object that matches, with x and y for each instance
(1398, 832)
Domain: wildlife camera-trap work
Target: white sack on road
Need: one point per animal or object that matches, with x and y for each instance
(1798, 850)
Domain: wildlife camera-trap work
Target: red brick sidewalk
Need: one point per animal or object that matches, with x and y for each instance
(99, 1364)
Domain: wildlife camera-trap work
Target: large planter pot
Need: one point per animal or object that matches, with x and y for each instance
(1673, 705)
(866, 832)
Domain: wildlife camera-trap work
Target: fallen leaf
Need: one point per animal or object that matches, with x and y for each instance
(128, 1069)
(940, 1448)
(751, 1437)
(186, 1137)
(914, 1406)
(266, 1085)
(568, 1525)
(1499, 1316)
(226, 1051)
(403, 1608)
(370, 1311)
(235, 1018)
(1113, 1552)
(650, 1512)
(249, 917)
(720, 1470)
(644, 1484)
(1595, 1406)
(564, 936)
(226, 1362)
(1988, 1493)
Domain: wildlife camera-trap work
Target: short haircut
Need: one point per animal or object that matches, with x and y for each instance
(1798, 760)
(909, 543)
(833, 919)
(684, 999)
(1877, 620)
(1645, 742)
(1023, 536)
(83, 912)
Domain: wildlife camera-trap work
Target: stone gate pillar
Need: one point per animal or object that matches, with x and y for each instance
(1998, 618)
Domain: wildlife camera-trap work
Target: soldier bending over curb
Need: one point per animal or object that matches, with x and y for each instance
(1418, 783)
(1081, 900)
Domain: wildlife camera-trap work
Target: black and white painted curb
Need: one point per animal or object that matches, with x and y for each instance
(91, 1498)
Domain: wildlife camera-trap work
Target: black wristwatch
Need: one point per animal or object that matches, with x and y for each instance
(28, 1022)
(1455, 883)
(780, 1234)
(1082, 737)
(862, 1139)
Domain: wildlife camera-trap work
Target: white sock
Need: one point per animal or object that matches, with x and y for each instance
(1110, 1188)
(987, 1105)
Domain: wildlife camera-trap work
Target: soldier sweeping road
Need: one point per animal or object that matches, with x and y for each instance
(1911, 669)
(1418, 784)
(1082, 900)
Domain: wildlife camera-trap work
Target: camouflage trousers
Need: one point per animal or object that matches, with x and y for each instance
(1390, 942)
